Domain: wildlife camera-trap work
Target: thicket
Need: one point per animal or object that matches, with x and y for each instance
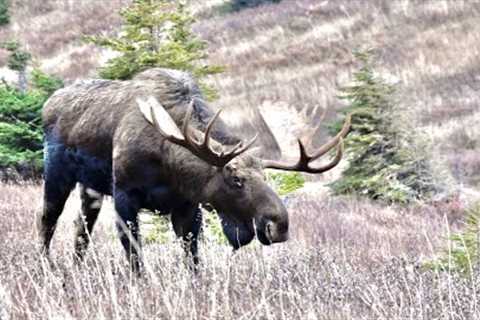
(4, 14)
(156, 33)
(386, 159)
(20, 117)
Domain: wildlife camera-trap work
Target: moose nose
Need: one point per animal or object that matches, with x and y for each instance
(276, 232)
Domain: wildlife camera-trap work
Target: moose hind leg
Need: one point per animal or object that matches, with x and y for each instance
(127, 206)
(91, 205)
(187, 223)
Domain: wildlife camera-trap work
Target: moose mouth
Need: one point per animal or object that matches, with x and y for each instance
(242, 233)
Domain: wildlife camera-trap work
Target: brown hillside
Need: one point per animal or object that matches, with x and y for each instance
(290, 58)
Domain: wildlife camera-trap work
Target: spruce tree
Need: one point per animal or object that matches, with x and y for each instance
(156, 33)
(20, 117)
(385, 161)
(18, 61)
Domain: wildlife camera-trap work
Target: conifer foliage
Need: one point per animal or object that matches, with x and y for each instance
(4, 15)
(20, 117)
(156, 33)
(385, 161)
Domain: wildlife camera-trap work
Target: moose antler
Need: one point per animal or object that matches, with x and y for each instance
(201, 149)
(305, 159)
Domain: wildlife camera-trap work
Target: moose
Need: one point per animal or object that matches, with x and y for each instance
(153, 143)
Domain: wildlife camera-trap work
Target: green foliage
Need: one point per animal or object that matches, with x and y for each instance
(4, 15)
(18, 59)
(159, 230)
(20, 123)
(156, 33)
(384, 158)
(462, 254)
(212, 228)
(286, 182)
(44, 83)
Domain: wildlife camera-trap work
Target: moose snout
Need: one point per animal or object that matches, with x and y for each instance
(276, 232)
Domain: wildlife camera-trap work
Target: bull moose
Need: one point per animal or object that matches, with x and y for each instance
(123, 138)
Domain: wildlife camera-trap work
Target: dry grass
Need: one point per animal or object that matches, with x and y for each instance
(294, 55)
(346, 259)
(52, 31)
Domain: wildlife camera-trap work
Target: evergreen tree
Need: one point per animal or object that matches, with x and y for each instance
(18, 61)
(385, 161)
(4, 15)
(20, 116)
(156, 33)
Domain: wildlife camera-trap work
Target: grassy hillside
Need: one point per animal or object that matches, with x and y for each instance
(288, 59)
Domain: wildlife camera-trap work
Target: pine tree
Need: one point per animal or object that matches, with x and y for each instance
(4, 15)
(156, 33)
(384, 158)
(18, 61)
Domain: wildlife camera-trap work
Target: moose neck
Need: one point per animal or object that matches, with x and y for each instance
(189, 175)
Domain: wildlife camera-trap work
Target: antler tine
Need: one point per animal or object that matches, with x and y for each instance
(163, 133)
(303, 163)
(334, 141)
(236, 152)
(186, 123)
(206, 140)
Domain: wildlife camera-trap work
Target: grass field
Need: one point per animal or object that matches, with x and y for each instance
(347, 258)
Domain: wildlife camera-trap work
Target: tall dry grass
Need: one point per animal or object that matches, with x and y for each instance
(346, 259)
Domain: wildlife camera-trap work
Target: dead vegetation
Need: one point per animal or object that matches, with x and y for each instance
(274, 52)
(347, 259)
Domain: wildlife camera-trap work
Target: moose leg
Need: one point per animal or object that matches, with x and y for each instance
(187, 222)
(91, 205)
(127, 206)
(57, 187)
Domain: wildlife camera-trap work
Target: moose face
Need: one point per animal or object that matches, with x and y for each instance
(246, 204)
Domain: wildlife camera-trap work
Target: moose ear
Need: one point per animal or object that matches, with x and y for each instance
(156, 114)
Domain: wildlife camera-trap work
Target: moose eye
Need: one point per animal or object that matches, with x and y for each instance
(237, 182)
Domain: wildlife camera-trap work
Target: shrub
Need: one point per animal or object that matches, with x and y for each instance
(20, 125)
(18, 61)
(4, 15)
(156, 34)
(385, 161)
(286, 182)
(462, 254)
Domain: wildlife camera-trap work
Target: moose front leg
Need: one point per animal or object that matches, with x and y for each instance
(127, 206)
(187, 222)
